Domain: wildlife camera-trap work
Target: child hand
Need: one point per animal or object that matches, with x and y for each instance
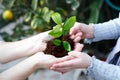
(76, 60)
(46, 61)
(81, 31)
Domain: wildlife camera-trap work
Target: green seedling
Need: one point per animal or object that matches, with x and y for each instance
(61, 29)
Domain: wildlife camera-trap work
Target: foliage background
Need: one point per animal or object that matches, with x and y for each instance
(35, 15)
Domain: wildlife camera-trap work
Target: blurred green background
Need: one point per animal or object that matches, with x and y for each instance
(34, 16)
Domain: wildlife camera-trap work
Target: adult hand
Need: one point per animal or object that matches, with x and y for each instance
(46, 61)
(23, 48)
(80, 31)
(38, 42)
(76, 60)
(23, 69)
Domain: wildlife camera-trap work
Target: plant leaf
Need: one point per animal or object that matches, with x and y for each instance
(57, 18)
(67, 46)
(68, 24)
(56, 32)
(34, 4)
(33, 24)
(46, 14)
(36, 22)
(28, 16)
(95, 11)
(57, 42)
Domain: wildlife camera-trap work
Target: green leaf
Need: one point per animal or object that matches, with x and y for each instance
(57, 18)
(94, 11)
(67, 46)
(68, 24)
(36, 22)
(46, 14)
(56, 32)
(34, 4)
(57, 42)
(27, 16)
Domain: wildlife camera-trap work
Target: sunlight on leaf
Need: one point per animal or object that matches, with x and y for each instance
(68, 24)
(57, 18)
(34, 4)
(56, 32)
(27, 16)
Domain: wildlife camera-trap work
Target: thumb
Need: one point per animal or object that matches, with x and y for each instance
(74, 54)
(78, 47)
(46, 37)
(65, 58)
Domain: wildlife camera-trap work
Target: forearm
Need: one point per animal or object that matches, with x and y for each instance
(22, 70)
(102, 70)
(13, 50)
(107, 30)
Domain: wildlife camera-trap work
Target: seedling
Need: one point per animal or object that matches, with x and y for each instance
(61, 29)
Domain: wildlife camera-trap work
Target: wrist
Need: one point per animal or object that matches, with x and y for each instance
(89, 62)
(91, 66)
(91, 30)
(36, 60)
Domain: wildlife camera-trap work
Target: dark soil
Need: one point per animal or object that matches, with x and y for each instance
(58, 51)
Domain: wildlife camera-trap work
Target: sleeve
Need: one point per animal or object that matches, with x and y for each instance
(103, 71)
(106, 30)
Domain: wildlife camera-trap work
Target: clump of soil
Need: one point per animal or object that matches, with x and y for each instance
(58, 51)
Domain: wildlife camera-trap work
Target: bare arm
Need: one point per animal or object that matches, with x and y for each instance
(13, 50)
(22, 70)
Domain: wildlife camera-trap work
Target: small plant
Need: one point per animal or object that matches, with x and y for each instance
(61, 29)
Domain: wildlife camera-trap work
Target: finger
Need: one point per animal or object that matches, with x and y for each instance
(79, 34)
(66, 58)
(75, 54)
(41, 53)
(72, 36)
(77, 39)
(78, 47)
(42, 46)
(64, 64)
(73, 31)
